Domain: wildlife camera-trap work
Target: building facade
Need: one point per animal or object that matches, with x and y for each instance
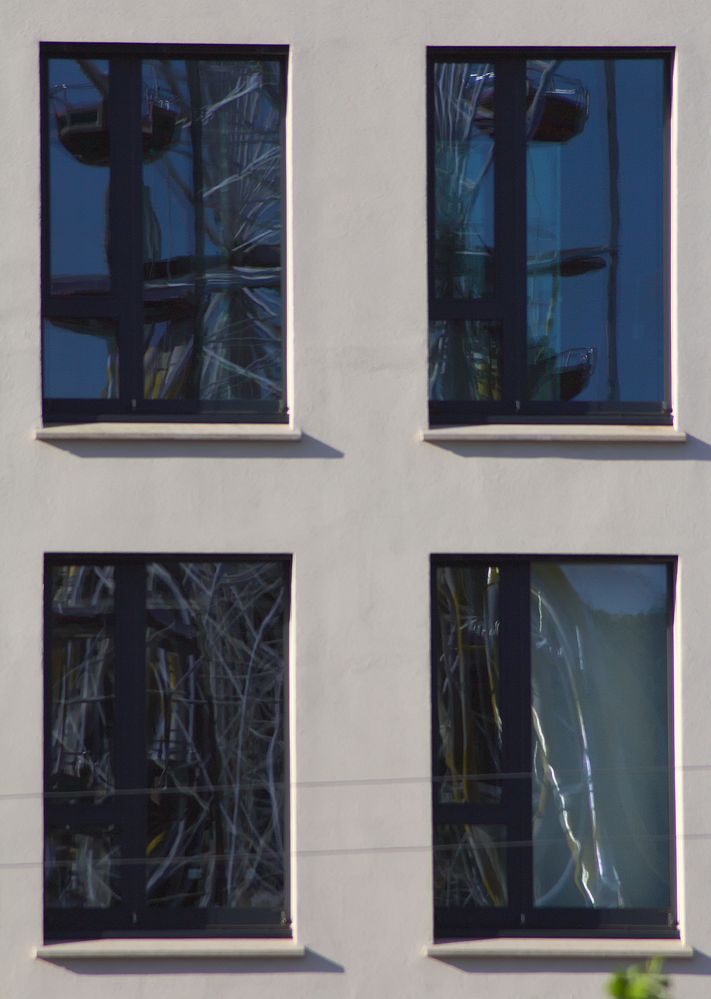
(393, 531)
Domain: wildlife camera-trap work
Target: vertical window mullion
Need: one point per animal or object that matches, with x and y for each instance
(131, 729)
(125, 229)
(510, 215)
(516, 710)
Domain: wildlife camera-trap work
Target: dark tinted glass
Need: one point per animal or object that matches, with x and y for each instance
(465, 360)
(470, 866)
(595, 197)
(469, 729)
(80, 358)
(78, 143)
(216, 750)
(464, 179)
(82, 681)
(212, 211)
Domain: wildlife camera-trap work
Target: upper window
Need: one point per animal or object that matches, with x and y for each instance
(166, 746)
(548, 235)
(163, 204)
(552, 759)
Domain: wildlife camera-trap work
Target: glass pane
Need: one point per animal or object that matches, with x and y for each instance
(80, 869)
(80, 359)
(78, 176)
(464, 179)
(596, 230)
(469, 733)
(82, 681)
(212, 210)
(600, 734)
(465, 360)
(470, 866)
(216, 750)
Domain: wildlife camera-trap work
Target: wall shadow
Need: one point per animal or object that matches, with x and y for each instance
(693, 449)
(308, 448)
(699, 964)
(311, 964)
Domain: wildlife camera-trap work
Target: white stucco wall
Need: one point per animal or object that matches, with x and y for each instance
(360, 501)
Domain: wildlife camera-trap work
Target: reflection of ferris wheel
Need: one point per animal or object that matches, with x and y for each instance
(83, 123)
(557, 106)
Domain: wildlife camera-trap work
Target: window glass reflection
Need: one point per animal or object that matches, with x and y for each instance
(464, 179)
(470, 866)
(77, 120)
(599, 714)
(469, 743)
(80, 359)
(215, 662)
(212, 212)
(595, 234)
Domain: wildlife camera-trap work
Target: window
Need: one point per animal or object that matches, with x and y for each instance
(552, 735)
(548, 235)
(166, 746)
(163, 203)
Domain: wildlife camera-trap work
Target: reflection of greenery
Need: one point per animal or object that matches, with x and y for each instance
(640, 981)
(465, 360)
(468, 682)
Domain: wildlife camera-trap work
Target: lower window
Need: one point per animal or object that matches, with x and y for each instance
(166, 773)
(552, 746)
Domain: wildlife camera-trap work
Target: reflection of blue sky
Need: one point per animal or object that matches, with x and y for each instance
(618, 589)
(568, 198)
(78, 193)
(239, 105)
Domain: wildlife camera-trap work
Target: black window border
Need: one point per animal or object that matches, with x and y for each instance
(521, 918)
(508, 304)
(127, 811)
(124, 301)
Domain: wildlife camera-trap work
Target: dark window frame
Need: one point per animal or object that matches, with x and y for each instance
(124, 302)
(520, 918)
(508, 303)
(125, 810)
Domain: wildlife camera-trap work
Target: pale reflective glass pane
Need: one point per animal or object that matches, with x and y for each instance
(216, 751)
(81, 869)
(470, 866)
(464, 179)
(78, 137)
(212, 210)
(464, 360)
(599, 672)
(469, 730)
(80, 359)
(595, 197)
(82, 703)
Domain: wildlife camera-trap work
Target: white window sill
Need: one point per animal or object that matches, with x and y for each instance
(93, 950)
(553, 434)
(558, 947)
(167, 432)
